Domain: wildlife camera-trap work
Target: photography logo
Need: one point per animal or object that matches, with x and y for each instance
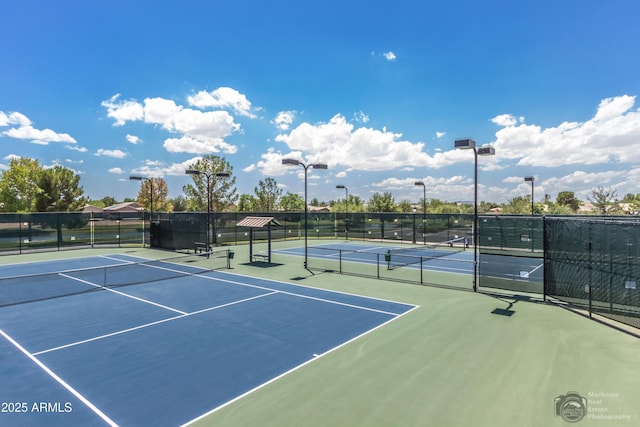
(571, 407)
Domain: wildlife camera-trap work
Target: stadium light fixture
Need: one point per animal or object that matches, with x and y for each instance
(294, 162)
(531, 180)
(470, 144)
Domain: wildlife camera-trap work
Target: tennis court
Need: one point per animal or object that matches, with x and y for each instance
(456, 258)
(178, 345)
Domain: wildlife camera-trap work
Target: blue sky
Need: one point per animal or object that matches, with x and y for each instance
(378, 90)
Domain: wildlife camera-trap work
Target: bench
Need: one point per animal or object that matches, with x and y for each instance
(263, 257)
(200, 247)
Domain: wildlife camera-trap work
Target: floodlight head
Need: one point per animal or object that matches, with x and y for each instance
(318, 166)
(419, 183)
(222, 174)
(529, 179)
(192, 172)
(290, 162)
(341, 186)
(135, 178)
(486, 151)
(465, 144)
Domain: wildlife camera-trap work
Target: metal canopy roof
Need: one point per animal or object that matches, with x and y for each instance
(257, 221)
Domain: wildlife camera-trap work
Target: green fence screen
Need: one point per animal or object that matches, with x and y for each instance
(595, 265)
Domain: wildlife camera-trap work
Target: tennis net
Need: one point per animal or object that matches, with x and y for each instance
(37, 287)
(416, 254)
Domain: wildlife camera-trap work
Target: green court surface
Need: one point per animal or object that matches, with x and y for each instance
(460, 359)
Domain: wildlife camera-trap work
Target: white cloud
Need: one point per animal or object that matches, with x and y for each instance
(10, 157)
(203, 145)
(24, 130)
(389, 56)
(339, 144)
(117, 171)
(440, 134)
(612, 135)
(581, 182)
(504, 120)
(124, 111)
(271, 163)
(154, 168)
(284, 119)
(132, 139)
(223, 97)
(76, 148)
(14, 118)
(514, 179)
(118, 154)
(360, 117)
(341, 174)
(198, 130)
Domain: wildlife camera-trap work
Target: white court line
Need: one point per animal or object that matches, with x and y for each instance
(146, 325)
(291, 293)
(313, 358)
(540, 266)
(302, 295)
(60, 381)
(123, 294)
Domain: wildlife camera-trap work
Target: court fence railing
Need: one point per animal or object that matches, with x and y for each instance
(589, 262)
(51, 231)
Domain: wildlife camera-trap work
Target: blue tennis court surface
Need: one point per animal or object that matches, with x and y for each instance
(519, 268)
(454, 261)
(167, 352)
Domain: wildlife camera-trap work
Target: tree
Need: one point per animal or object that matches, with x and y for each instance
(603, 199)
(558, 209)
(316, 202)
(484, 207)
(19, 185)
(567, 198)
(517, 205)
(267, 195)
(247, 203)
(355, 204)
(108, 201)
(382, 202)
(160, 192)
(59, 191)
(178, 204)
(291, 202)
(223, 191)
(438, 206)
(405, 206)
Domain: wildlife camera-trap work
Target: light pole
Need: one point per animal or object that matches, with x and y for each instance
(466, 144)
(346, 210)
(531, 180)
(424, 210)
(208, 175)
(294, 162)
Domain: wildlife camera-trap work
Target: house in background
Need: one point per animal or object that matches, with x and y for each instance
(126, 207)
(91, 209)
